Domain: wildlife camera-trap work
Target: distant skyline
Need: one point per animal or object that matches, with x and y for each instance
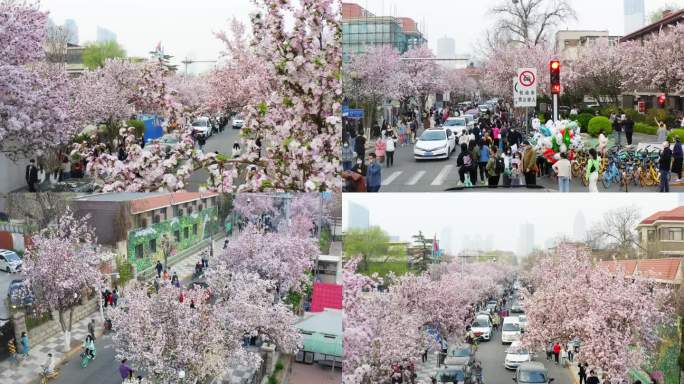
(478, 217)
(466, 21)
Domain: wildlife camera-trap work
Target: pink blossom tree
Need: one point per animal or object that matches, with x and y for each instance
(253, 206)
(616, 318)
(62, 268)
(34, 115)
(422, 77)
(597, 71)
(501, 65)
(459, 84)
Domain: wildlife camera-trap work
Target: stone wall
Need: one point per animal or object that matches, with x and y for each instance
(49, 329)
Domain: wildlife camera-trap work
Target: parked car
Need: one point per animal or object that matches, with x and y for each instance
(435, 143)
(517, 308)
(516, 355)
(481, 329)
(510, 330)
(459, 355)
(238, 122)
(10, 262)
(485, 315)
(19, 295)
(532, 372)
(202, 126)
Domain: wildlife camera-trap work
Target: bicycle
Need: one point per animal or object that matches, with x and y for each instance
(44, 378)
(611, 175)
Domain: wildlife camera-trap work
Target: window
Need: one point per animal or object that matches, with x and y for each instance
(651, 235)
(673, 234)
(156, 219)
(189, 210)
(153, 245)
(176, 234)
(139, 251)
(186, 232)
(194, 229)
(176, 211)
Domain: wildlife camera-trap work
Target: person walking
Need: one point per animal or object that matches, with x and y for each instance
(678, 156)
(201, 141)
(665, 166)
(124, 370)
(530, 165)
(484, 159)
(91, 328)
(390, 146)
(159, 268)
(662, 131)
(549, 351)
(373, 175)
(24, 341)
(563, 170)
(629, 129)
(593, 166)
(592, 379)
(31, 175)
(236, 150)
(556, 351)
(360, 147)
(617, 128)
(380, 147)
(347, 157)
(495, 167)
(582, 374)
(602, 143)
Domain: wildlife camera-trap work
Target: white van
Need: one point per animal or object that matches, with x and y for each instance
(510, 330)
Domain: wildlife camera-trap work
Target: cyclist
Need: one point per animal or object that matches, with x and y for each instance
(49, 366)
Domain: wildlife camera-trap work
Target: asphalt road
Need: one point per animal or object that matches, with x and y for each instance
(103, 370)
(409, 175)
(221, 142)
(5, 279)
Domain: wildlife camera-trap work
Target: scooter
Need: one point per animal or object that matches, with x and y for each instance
(86, 357)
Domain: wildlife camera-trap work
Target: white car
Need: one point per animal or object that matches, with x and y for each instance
(516, 355)
(510, 330)
(457, 125)
(522, 321)
(435, 143)
(202, 126)
(238, 122)
(10, 262)
(481, 329)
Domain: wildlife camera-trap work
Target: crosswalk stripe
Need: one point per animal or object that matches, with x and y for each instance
(392, 177)
(439, 180)
(416, 178)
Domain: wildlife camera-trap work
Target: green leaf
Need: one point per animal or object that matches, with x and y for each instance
(266, 184)
(263, 108)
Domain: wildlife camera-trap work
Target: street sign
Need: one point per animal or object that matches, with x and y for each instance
(525, 88)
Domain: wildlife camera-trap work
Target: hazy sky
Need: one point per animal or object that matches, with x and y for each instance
(185, 27)
(466, 21)
(403, 214)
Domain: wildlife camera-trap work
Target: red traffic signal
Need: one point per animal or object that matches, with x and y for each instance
(555, 67)
(661, 100)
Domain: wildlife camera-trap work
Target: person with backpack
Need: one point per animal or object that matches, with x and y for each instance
(483, 161)
(465, 165)
(495, 167)
(475, 156)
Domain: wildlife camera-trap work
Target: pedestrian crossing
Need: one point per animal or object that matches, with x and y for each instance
(448, 173)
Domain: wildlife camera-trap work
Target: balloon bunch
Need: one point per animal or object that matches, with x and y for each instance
(553, 139)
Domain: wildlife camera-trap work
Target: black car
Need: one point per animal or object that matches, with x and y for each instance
(455, 375)
(19, 294)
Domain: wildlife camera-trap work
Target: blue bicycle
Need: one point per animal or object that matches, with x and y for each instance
(612, 174)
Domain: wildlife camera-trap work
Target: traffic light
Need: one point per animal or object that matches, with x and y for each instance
(661, 100)
(555, 77)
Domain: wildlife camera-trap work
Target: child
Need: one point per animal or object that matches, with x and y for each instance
(516, 175)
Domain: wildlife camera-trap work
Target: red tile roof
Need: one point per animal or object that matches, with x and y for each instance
(408, 24)
(671, 19)
(155, 202)
(326, 296)
(676, 214)
(660, 269)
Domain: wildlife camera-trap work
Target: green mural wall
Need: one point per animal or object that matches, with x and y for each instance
(665, 359)
(206, 221)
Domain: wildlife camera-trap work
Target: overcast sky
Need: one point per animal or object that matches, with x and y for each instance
(466, 21)
(185, 27)
(403, 214)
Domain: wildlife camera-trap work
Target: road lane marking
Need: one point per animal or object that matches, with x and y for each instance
(416, 178)
(439, 180)
(392, 177)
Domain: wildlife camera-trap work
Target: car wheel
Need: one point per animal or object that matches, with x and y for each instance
(7, 269)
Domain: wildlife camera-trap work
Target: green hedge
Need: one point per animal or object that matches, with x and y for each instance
(661, 115)
(607, 111)
(635, 115)
(599, 123)
(583, 120)
(675, 132)
(646, 129)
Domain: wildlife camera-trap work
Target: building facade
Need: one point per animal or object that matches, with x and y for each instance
(662, 234)
(357, 216)
(362, 29)
(104, 35)
(135, 223)
(635, 15)
(569, 42)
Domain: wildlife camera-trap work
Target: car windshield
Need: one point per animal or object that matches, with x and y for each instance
(451, 376)
(456, 123)
(531, 377)
(511, 327)
(433, 136)
(460, 352)
(11, 256)
(480, 323)
(522, 318)
(517, 350)
(200, 123)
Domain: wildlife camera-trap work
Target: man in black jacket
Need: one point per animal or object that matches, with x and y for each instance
(31, 175)
(629, 129)
(360, 147)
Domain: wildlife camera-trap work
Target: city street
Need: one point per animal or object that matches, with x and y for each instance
(221, 142)
(5, 279)
(410, 175)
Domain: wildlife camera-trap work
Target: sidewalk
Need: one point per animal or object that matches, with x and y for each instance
(29, 370)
